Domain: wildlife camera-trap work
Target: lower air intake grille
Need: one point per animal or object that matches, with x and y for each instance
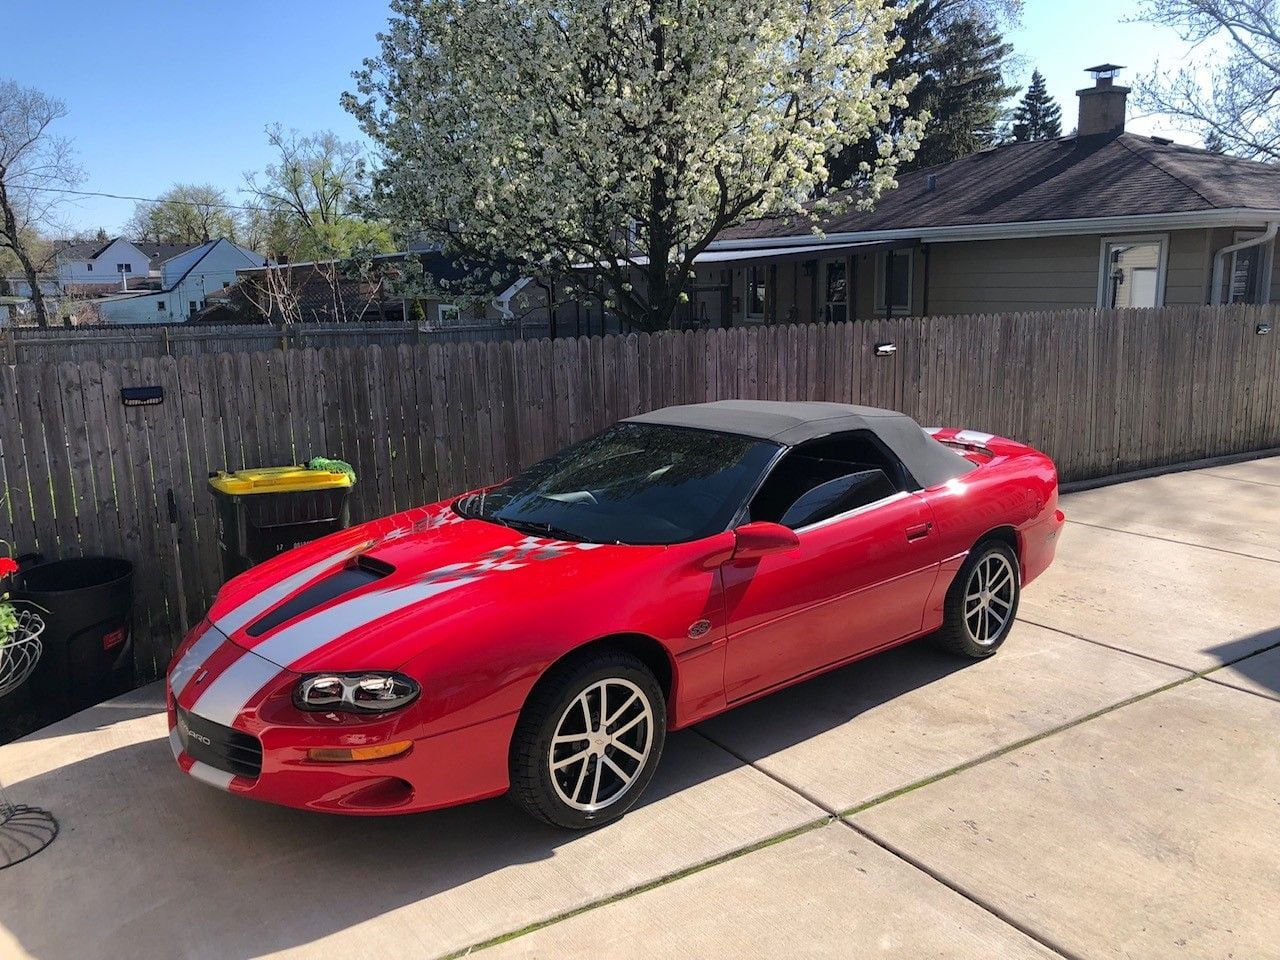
(220, 747)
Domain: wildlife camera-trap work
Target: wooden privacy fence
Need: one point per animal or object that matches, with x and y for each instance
(1102, 391)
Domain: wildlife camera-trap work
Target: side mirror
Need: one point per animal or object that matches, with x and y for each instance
(753, 540)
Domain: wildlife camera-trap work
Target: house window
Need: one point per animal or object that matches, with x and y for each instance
(447, 313)
(124, 268)
(160, 306)
(1131, 271)
(89, 267)
(756, 292)
(835, 287)
(1248, 280)
(893, 270)
(193, 307)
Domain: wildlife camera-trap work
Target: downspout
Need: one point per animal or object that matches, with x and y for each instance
(1220, 259)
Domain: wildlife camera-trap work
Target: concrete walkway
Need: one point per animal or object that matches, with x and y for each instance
(1107, 786)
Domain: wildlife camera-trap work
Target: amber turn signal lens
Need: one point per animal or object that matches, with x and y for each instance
(347, 755)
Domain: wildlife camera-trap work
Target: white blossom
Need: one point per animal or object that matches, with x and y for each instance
(620, 134)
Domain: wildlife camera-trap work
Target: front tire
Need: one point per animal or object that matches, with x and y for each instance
(588, 741)
(982, 602)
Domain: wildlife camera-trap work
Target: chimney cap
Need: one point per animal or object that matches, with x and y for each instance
(1108, 69)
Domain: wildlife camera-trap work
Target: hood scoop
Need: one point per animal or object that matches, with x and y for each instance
(359, 572)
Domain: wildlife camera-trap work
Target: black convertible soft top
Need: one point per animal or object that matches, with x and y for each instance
(794, 422)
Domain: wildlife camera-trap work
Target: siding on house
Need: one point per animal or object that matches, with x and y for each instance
(1051, 272)
(77, 272)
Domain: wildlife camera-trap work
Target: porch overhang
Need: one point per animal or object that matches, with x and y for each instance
(813, 251)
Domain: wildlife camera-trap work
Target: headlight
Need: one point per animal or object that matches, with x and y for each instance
(361, 692)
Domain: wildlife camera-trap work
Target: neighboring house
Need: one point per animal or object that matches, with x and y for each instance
(94, 268)
(95, 265)
(182, 286)
(1101, 218)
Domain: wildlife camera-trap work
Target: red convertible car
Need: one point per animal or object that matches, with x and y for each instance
(541, 636)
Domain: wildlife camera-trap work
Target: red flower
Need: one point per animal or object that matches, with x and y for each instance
(7, 566)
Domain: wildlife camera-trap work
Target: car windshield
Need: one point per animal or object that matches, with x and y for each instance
(633, 483)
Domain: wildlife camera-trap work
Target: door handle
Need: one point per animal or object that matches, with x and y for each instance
(919, 531)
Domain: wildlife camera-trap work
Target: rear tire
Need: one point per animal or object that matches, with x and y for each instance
(982, 602)
(588, 741)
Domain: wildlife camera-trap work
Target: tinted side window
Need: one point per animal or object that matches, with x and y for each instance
(838, 496)
(826, 477)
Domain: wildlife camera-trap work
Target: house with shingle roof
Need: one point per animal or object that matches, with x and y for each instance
(182, 286)
(1100, 218)
(99, 267)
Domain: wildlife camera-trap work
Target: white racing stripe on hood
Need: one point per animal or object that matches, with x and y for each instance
(235, 687)
(193, 660)
(270, 596)
(308, 635)
(231, 692)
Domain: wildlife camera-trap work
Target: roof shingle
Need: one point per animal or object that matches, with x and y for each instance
(1064, 179)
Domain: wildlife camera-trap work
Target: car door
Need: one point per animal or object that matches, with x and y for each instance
(858, 581)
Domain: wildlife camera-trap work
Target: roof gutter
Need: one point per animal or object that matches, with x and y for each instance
(1190, 220)
(1220, 258)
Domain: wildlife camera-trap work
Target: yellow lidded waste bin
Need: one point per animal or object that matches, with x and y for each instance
(263, 511)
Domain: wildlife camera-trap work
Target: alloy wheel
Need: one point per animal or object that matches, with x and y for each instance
(601, 744)
(988, 599)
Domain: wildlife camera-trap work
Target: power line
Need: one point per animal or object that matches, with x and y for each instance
(121, 196)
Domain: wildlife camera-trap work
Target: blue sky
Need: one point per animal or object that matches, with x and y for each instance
(163, 92)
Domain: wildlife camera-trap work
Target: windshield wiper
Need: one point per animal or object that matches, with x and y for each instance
(537, 526)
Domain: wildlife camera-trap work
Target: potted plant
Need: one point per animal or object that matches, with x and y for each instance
(20, 631)
(24, 830)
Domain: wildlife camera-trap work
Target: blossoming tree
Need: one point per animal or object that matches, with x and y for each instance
(611, 140)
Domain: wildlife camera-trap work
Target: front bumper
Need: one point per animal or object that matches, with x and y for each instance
(257, 747)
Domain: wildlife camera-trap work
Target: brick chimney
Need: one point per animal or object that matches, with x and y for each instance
(1102, 105)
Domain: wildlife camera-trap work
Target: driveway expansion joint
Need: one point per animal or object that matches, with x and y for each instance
(641, 888)
(1181, 543)
(980, 902)
(1107, 646)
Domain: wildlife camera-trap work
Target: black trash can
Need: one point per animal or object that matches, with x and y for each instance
(268, 510)
(87, 605)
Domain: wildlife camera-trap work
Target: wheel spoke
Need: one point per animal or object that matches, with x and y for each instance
(622, 775)
(561, 739)
(1002, 601)
(572, 758)
(577, 789)
(630, 751)
(621, 710)
(1000, 579)
(586, 711)
(595, 787)
(629, 724)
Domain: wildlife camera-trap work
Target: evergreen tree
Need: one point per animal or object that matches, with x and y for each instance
(1038, 116)
(963, 90)
(956, 49)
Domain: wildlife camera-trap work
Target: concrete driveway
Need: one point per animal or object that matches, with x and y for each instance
(1107, 786)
